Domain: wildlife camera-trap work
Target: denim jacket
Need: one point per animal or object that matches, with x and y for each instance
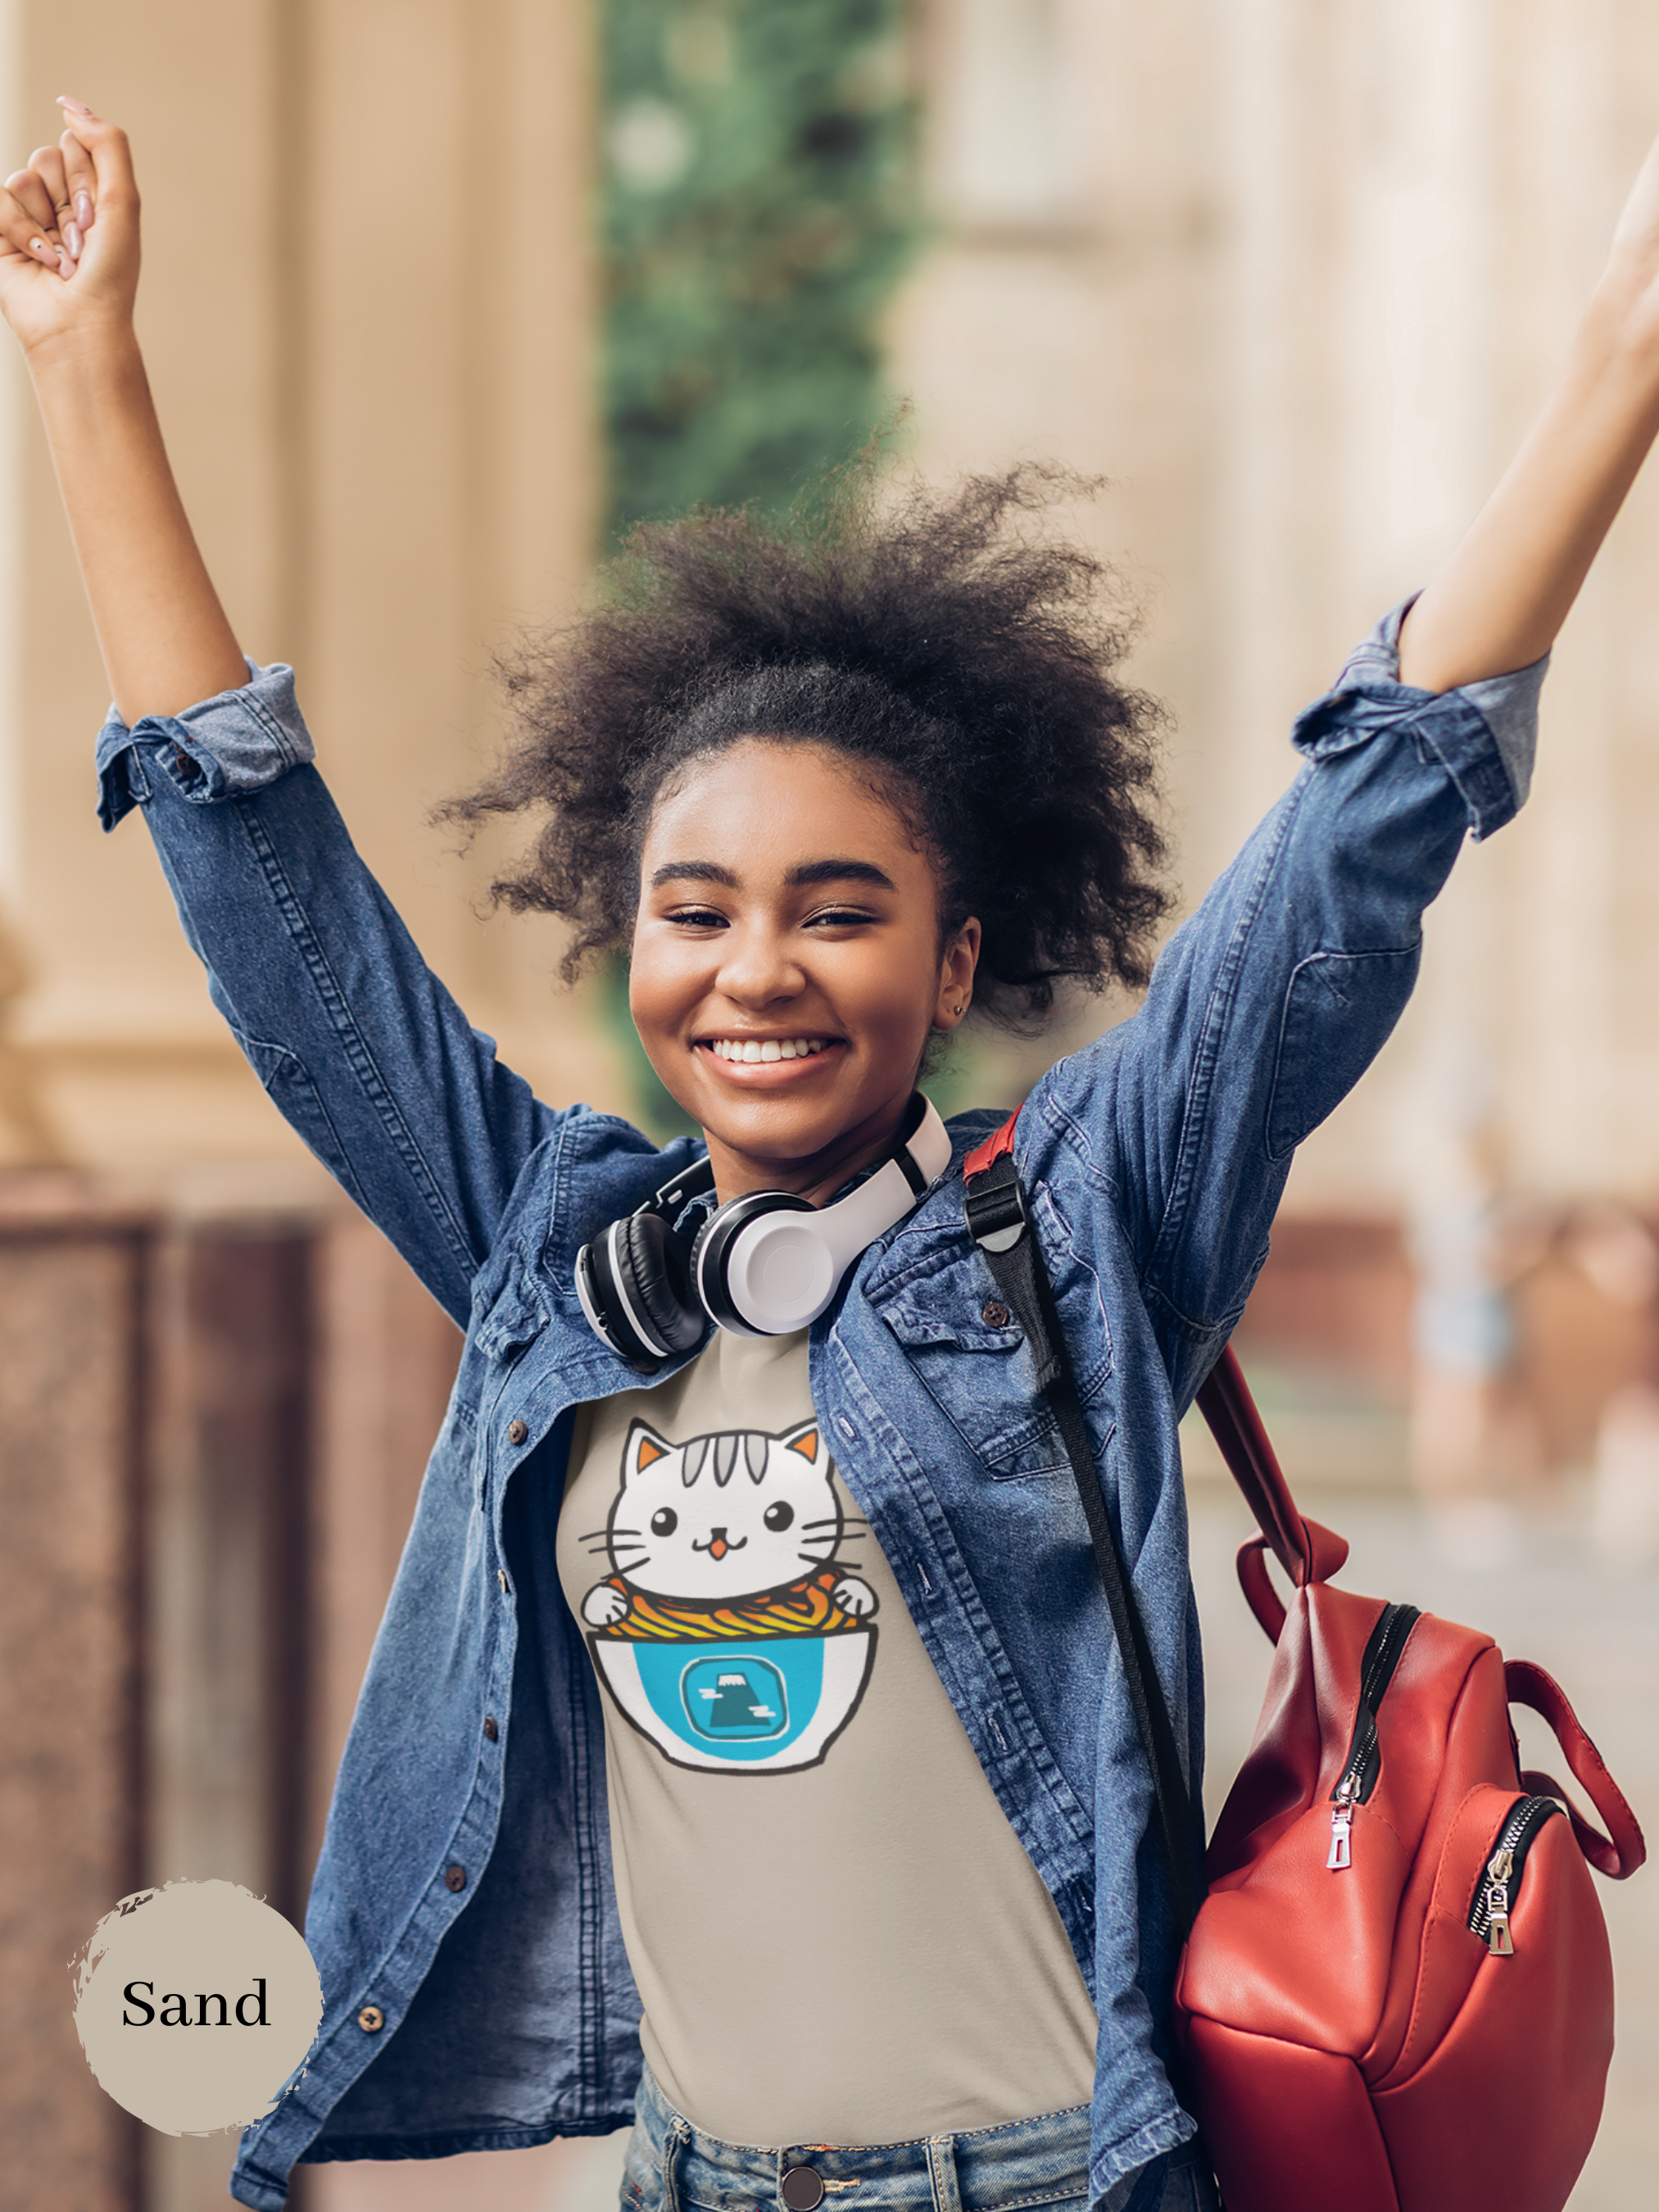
(462, 1916)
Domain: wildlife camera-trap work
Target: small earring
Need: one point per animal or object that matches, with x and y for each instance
(960, 1011)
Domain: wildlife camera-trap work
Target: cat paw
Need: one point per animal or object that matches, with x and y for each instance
(854, 1597)
(603, 1607)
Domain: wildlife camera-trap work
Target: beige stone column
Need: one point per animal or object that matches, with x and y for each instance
(366, 308)
(1301, 278)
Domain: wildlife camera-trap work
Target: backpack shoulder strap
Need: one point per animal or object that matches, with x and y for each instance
(999, 1224)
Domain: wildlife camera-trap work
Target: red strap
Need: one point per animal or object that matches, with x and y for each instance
(1256, 1584)
(1624, 1848)
(982, 1156)
(1307, 1551)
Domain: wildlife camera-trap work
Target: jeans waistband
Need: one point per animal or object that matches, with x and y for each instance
(673, 2166)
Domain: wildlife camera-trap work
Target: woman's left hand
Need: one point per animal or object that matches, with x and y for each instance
(1499, 601)
(1630, 288)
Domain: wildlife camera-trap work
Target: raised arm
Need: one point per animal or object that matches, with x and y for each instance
(1499, 601)
(357, 1041)
(1272, 1001)
(69, 271)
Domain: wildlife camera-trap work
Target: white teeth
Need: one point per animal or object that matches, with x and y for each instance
(749, 1051)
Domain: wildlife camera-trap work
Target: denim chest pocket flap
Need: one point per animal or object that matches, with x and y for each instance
(508, 1310)
(942, 1303)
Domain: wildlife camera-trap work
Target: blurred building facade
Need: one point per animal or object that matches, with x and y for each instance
(1291, 275)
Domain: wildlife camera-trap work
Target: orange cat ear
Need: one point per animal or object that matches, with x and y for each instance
(805, 1440)
(642, 1450)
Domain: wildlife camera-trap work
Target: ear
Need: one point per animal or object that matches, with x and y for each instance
(644, 1448)
(807, 1441)
(956, 980)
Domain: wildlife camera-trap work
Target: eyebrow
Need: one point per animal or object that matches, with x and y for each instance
(810, 871)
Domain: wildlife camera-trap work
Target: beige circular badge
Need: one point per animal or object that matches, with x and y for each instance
(194, 2003)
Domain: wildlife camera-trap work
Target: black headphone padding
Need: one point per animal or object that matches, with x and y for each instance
(659, 1280)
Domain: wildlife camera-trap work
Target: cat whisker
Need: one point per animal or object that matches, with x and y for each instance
(592, 1532)
(831, 1521)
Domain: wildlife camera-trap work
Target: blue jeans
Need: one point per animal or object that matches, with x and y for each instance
(673, 2167)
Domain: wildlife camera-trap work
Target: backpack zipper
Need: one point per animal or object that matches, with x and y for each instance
(1384, 1648)
(1489, 1915)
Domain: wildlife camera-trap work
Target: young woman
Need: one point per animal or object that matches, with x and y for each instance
(746, 1694)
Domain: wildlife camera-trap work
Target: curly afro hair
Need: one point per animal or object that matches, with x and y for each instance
(965, 666)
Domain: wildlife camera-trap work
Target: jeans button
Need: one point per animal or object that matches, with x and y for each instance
(801, 2189)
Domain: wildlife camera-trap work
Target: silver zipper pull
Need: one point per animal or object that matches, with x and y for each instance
(1499, 1943)
(1341, 1824)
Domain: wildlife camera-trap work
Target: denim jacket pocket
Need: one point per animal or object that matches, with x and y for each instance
(972, 1356)
(1339, 1008)
(509, 1311)
(289, 1086)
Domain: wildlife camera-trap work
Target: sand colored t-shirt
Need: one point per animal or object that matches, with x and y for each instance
(837, 1935)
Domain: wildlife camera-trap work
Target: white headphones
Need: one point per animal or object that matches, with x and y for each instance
(765, 1264)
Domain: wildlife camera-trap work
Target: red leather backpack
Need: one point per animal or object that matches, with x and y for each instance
(1397, 1991)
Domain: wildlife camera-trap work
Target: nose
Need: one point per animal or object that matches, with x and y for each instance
(719, 1548)
(758, 968)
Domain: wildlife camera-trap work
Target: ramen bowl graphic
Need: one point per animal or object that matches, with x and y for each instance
(751, 1705)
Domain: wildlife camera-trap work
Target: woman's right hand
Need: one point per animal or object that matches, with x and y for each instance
(165, 639)
(68, 236)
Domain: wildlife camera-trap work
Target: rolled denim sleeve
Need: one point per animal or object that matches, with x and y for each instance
(1507, 704)
(1267, 1005)
(222, 748)
(357, 1040)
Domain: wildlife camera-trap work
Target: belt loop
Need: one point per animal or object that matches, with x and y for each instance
(673, 2143)
(942, 2173)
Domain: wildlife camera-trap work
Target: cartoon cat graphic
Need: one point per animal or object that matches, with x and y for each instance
(721, 1521)
(730, 1631)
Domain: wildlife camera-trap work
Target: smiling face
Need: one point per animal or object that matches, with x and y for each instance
(787, 966)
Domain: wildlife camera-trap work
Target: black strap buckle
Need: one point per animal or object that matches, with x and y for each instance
(996, 1212)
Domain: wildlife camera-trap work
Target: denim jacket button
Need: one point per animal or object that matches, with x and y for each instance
(516, 1432)
(994, 1314)
(455, 1879)
(801, 2189)
(371, 2020)
(491, 1730)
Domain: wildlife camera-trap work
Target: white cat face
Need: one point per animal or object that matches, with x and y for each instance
(724, 1515)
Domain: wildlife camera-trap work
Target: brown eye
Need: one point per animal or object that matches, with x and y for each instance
(665, 1521)
(779, 1516)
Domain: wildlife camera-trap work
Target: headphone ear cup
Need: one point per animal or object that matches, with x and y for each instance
(655, 1266)
(717, 1246)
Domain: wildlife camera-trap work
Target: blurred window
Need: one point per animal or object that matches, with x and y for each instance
(1000, 153)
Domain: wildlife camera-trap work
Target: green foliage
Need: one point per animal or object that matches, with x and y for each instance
(755, 217)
